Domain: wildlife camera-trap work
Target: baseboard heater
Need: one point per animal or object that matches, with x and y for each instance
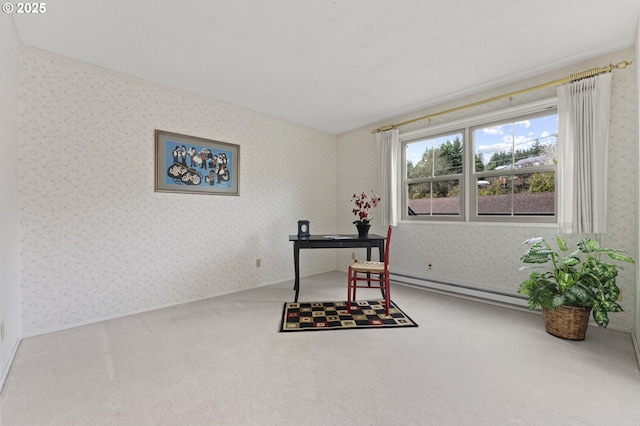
(461, 289)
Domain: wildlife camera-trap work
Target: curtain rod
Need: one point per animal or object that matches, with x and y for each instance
(569, 79)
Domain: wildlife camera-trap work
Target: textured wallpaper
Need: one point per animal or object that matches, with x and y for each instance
(9, 205)
(98, 242)
(485, 255)
(636, 329)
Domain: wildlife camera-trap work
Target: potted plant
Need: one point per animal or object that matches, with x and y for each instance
(572, 284)
(362, 205)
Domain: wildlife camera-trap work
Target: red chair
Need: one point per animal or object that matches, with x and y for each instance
(368, 272)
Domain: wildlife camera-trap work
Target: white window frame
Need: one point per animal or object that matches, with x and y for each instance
(467, 194)
(460, 177)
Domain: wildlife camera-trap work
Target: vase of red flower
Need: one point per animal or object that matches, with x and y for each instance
(363, 203)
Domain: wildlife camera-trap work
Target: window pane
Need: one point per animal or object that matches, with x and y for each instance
(438, 156)
(446, 197)
(494, 195)
(419, 200)
(493, 147)
(534, 194)
(448, 155)
(418, 165)
(524, 143)
(434, 198)
(527, 194)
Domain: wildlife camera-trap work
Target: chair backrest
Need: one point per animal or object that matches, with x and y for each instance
(387, 245)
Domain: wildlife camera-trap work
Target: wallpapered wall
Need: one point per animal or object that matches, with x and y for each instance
(636, 329)
(9, 206)
(99, 242)
(487, 256)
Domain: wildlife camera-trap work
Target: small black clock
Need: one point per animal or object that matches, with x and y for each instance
(303, 228)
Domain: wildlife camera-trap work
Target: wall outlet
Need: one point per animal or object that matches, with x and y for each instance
(258, 263)
(353, 255)
(429, 267)
(1, 331)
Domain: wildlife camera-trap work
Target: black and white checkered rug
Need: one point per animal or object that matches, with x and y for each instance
(311, 316)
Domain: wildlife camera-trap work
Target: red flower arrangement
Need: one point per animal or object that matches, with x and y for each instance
(363, 204)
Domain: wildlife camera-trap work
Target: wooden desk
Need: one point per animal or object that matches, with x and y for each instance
(321, 241)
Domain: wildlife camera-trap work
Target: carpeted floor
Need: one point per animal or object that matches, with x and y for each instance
(222, 361)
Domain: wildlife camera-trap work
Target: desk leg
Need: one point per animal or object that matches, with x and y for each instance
(368, 259)
(296, 266)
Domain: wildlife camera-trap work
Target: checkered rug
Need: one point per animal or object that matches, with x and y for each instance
(310, 316)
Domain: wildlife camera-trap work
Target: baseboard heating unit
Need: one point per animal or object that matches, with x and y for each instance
(461, 289)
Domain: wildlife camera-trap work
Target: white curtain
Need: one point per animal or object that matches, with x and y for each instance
(388, 155)
(583, 135)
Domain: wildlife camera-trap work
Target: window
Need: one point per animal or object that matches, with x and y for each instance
(495, 167)
(434, 175)
(515, 169)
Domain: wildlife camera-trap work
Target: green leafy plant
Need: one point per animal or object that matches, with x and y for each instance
(579, 278)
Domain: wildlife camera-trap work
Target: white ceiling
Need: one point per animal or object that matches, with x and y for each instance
(333, 65)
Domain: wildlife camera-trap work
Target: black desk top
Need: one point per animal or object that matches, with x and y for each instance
(337, 237)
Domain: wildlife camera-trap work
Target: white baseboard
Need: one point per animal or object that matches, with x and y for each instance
(7, 367)
(470, 291)
(33, 333)
(462, 290)
(636, 345)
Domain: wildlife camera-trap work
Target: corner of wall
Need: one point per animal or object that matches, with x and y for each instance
(10, 299)
(636, 345)
(635, 332)
(7, 366)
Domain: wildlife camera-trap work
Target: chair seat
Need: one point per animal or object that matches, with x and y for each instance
(368, 266)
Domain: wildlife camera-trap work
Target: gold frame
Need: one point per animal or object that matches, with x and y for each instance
(189, 164)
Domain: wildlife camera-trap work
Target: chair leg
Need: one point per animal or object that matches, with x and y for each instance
(349, 290)
(354, 286)
(387, 294)
(352, 282)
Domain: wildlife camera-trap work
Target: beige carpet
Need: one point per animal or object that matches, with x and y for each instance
(222, 361)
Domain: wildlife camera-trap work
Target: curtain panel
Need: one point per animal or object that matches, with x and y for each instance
(388, 156)
(583, 136)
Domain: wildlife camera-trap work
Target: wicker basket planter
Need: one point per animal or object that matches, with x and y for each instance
(567, 322)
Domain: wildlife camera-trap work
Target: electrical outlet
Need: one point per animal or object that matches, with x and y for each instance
(429, 267)
(353, 255)
(258, 263)
(1, 331)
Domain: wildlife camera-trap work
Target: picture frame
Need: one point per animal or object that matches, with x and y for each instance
(189, 164)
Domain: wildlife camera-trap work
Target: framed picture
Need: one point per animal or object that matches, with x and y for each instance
(194, 165)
